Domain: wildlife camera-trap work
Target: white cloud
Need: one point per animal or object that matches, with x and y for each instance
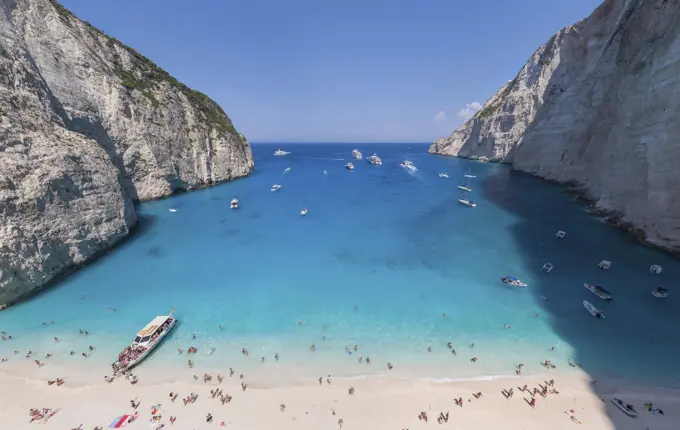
(469, 110)
(440, 117)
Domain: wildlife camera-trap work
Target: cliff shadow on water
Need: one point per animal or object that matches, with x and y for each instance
(638, 343)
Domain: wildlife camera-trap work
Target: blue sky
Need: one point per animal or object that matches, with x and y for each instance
(351, 70)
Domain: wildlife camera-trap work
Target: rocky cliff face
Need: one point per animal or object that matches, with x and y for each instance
(87, 127)
(597, 105)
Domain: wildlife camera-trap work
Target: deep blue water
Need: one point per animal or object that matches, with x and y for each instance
(398, 246)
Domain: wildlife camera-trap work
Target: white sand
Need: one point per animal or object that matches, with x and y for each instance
(380, 402)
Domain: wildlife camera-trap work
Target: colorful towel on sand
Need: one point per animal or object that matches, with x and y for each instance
(119, 422)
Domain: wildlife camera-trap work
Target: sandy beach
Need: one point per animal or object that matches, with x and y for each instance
(378, 402)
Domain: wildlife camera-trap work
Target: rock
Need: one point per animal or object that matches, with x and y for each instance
(87, 127)
(596, 105)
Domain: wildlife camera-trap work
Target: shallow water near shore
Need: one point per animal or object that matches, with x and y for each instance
(381, 256)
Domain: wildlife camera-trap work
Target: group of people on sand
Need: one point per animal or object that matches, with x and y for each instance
(541, 390)
(58, 381)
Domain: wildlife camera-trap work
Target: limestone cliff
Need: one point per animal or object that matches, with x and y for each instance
(87, 127)
(597, 105)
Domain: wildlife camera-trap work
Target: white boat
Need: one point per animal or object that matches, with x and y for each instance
(303, 212)
(172, 210)
(464, 188)
(547, 267)
(146, 340)
(408, 166)
(467, 202)
(469, 173)
(234, 203)
(604, 264)
(349, 166)
(281, 152)
(660, 292)
(626, 408)
(599, 291)
(357, 155)
(511, 280)
(593, 310)
(374, 159)
(443, 175)
(655, 269)
(275, 188)
(560, 234)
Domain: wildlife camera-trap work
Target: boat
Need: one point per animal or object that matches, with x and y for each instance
(443, 175)
(408, 165)
(604, 264)
(655, 269)
(511, 280)
(357, 155)
(599, 291)
(172, 210)
(276, 187)
(375, 160)
(303, 212)
(349, 166)
(626, 408)
(234, 203)
(464, 188)
(660, 292)
(146, 340)
(593, 310)
(560, 234)
(281, 152)
(467, 202)
(469, 173)
(547, 267)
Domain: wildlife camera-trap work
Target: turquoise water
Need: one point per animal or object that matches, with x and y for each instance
(395, 245)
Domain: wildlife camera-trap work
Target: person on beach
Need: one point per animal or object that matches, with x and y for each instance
(261, 359)
(473, 359)
(90, 348)
(328, 380)
(320, 380)
(276, 356)
(220, 378)
(179, 350)
(56, 339)
(48, 355)
(351, 391)
(84, 355)
(472, 345)
(390, 366)
(429, 348)
(231, 372)
(312, 348)
(191, 364)
(282, 407)
(361, 359)
(449, 345)
(453, 351)
(368, 360)
(532, 403)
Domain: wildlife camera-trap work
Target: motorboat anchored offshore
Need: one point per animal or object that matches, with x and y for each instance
(655, 269)
(467, 202)
(599, 291)
(604, 264)
(593, 310)
(660, 292)
(375, 160)
(408, 165)
(547, 267)
(511, 280)
(275, 188)
(281, 152)
(464, 188)
(443, 175)
(234, 203)
(560, 234)
(357, 155)
(146, 340)
(303, 212)
(626, 408)
(349, 166)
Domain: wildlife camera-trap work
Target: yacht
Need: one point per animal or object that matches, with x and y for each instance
(593, 310)
(349, 166)
(281, 152)
(444, 175)
(146, 340)
(660, 292)
(275, 188)
(303, 212)
(467, 202)
(374, 159)
(655, 269)
(511, 280)
(604, 264)
(408, 165)
(357, 155)
(464, 188)
(234, 203)
(599, 291)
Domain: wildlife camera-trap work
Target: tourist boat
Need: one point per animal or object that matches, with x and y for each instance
(349, 166)
(146, 340)
(626, 408)
(275, 188)
(443, 175)
(303, 212)
(547, 267)
(593, 310)
(408, 165)
(660, 292)
(464, 188)
(560, 234)
(234, 203)
(511, 280)
(281, 152)
(604, 264)
(599, 291)
(374, 159)
(655, 269)
(357, 155)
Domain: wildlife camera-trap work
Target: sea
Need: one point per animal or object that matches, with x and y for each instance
(386, 265)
